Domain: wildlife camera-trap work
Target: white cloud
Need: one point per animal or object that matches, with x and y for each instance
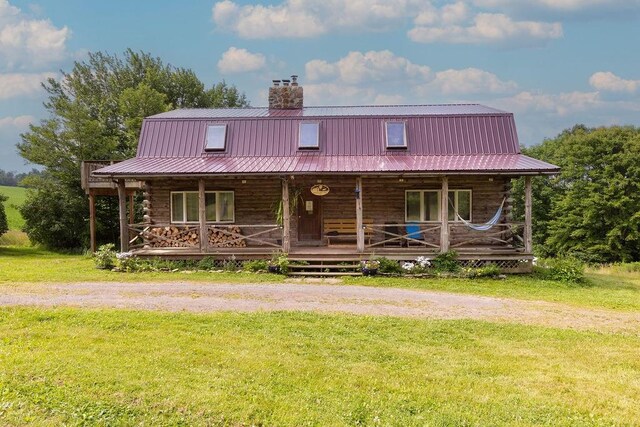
(236, 60)
(607, 81)
(469, 81)
(19, 122)
(29, 42)
(310, 18)
(358, 67)
(486, 28)
(17, 84)
(561, 104)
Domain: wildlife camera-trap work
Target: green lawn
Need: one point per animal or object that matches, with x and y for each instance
(85, 367)
(606, 289)
(17, 196)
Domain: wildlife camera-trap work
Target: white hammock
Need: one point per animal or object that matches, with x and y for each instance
(487, 225)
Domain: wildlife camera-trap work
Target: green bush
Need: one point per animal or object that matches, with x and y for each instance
(207, 263)
(446, 262)
(489, 270)
(256, 265)
(4, 224)
(567, 270)
(389, 266)
(280, 260)
(105, 256)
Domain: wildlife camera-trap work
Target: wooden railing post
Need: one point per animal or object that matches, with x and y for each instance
(202, 216)
(444, 215)
(359, 229)
(122, 210)
(528, 227)
(286, 217)
(92, 220)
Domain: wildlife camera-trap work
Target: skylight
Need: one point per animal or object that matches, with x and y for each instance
(216, 137)
(309, 135)
(396, 135)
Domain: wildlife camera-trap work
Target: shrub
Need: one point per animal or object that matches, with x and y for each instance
(446, 262)
(207, 263)
(105, 256)
(280, 260)
(389, 266)
(256, 265)
(489, 270)
(4, 225)
(567, 270)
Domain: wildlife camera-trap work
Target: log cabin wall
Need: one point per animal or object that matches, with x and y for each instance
(254, 200)
(383, 198)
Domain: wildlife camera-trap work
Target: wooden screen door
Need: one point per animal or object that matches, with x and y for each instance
(309, 217)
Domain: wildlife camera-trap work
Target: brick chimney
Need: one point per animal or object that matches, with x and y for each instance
(289, 96)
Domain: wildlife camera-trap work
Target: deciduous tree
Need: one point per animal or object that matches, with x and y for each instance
(95, 114)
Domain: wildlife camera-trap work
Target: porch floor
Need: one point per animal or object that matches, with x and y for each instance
(337, 252)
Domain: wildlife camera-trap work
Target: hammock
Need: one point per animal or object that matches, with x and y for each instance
(487, 225)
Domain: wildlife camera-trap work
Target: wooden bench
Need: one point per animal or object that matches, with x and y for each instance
(345, 230)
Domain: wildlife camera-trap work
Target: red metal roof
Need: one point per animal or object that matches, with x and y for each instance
(317, 164)
(440, 138)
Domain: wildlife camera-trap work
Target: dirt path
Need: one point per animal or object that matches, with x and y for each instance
(317, 297)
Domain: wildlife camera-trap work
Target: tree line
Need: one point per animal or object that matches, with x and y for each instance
(14, 179)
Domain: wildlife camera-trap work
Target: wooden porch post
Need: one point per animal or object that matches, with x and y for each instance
(132, 215)
(444, 215)
(286, 217)
(122, 210)
(528, 229)
(202, 216)
(359, 229)
(92, 221)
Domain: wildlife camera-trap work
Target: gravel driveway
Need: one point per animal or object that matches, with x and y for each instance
(197, 297)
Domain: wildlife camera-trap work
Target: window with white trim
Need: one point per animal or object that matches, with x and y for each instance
(396, 134)
(216, 137)
(424, 205)
(309, 135)
(219, 206)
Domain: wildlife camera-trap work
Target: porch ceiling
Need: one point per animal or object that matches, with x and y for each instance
(311, 164)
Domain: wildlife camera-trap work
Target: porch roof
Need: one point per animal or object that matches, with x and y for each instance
(313, 164)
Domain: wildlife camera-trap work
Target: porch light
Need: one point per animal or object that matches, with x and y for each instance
(357, 193)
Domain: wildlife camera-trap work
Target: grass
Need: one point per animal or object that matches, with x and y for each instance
(610, 288)
(17, 196)
(108, 367)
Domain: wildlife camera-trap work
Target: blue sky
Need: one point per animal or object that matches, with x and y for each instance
(553, 63)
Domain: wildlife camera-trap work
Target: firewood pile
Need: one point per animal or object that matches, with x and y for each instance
(218, 239)
(171, 236)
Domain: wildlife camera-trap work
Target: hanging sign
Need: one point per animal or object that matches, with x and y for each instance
(320, 190)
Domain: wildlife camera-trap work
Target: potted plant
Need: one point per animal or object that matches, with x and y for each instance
(370, 267)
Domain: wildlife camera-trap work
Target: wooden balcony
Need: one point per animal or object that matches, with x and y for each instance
(103, 186)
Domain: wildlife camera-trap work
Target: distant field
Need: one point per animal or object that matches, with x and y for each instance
(17, 196)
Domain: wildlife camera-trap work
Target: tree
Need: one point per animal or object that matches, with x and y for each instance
(95, 113)
(592, 208)
(4, 225)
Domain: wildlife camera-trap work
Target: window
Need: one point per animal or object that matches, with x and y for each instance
(396, 135)
(461, 201)
(309, 135)
(424, 205)
(219, 206)
(216, 137)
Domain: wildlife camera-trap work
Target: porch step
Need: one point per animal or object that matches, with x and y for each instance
(314, 266)
(324, 273)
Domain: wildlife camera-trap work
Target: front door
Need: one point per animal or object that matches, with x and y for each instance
(309, 217)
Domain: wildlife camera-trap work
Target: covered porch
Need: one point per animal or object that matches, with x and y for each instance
(359, 216)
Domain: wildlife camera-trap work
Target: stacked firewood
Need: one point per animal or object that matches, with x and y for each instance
(220, 239)
(171, 236)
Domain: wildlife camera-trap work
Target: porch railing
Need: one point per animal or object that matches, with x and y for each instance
(164, 236)
(233, 235)
(508, 235)
(408, 239)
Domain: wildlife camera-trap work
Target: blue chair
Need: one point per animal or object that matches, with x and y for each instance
(413, 232)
